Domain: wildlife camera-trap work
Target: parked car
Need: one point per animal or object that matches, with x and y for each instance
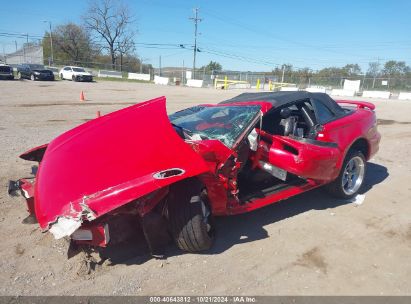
(75, 74)
(6, 72)
(34, 72)
(176, 172)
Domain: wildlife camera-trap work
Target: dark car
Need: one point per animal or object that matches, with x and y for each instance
(34, 72)
(6, 72)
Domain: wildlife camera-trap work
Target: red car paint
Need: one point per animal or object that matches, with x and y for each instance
(110, 161)
(125, 156)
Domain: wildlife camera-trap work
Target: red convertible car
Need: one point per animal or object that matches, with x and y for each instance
(172, 174)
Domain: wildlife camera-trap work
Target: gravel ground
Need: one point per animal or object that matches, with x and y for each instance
(308, 245)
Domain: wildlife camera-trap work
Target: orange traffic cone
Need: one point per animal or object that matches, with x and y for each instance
(82, 96)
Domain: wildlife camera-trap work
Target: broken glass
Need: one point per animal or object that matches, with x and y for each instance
(224, 123)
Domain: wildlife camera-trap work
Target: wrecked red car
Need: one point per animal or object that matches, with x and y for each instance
(172, 174)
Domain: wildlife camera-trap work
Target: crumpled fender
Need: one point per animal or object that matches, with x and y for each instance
(109, 162)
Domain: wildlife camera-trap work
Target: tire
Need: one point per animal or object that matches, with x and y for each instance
(32, 77)
(74, 78)
(191, 223)
(61, 76)
(18, 76)
(351, 177)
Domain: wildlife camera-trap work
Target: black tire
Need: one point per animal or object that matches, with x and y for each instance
(61, 76)
(32, 77)
(191, 229)
(336, 188)
(74, 78)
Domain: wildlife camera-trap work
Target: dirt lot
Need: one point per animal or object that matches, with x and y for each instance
(307, 245)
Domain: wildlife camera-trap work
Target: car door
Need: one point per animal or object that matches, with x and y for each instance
(25, 71)
(307, 157)
(67, 73)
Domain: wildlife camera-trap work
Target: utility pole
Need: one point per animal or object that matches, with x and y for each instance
(196, 20)
(15, 42)
(51, 42)
(159, 59)
(373, 81)
(182, 74)
(282, 77)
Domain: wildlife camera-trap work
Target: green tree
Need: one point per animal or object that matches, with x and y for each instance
(212, 66)
(373, 69)
(71, 44)
(352, 69)
(395, 68)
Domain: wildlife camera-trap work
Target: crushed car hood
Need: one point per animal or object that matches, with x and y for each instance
(110, 161)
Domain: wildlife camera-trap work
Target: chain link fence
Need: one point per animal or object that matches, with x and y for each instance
(264, 80)
(261, 79)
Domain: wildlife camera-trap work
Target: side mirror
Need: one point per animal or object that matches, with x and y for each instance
(285, 113)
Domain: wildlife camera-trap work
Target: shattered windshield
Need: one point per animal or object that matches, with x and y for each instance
(224, 123)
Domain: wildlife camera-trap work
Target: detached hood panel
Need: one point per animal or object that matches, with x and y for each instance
(110, 161)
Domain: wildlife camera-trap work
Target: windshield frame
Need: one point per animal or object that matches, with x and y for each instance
(250, 122)
(80, 70)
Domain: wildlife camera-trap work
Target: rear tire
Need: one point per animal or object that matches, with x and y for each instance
(61, 76)
(191, 222)
(351, 177)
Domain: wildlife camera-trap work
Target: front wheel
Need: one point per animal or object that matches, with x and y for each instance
(32, 77)
(74, 78)
(351, 177)
(191, 224)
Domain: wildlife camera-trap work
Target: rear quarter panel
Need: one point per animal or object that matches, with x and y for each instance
(345, 131)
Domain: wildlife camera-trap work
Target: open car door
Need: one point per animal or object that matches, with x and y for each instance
(305, 158)
(301, 154)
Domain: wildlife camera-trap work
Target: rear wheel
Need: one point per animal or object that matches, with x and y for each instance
(351, 177)
(191, 223)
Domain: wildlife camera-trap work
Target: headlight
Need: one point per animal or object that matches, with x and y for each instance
(36, 73)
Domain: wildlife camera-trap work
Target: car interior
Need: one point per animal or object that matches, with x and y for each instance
(298, 121)
(294, 120)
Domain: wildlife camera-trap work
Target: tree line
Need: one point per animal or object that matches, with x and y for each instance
(396, 73)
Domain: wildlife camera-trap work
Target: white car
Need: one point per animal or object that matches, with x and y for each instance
(75, 74)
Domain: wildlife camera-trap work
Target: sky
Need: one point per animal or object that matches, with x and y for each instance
(242, 35)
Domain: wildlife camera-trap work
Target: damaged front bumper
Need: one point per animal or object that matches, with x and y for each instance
(94, 234)
(86, 229)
